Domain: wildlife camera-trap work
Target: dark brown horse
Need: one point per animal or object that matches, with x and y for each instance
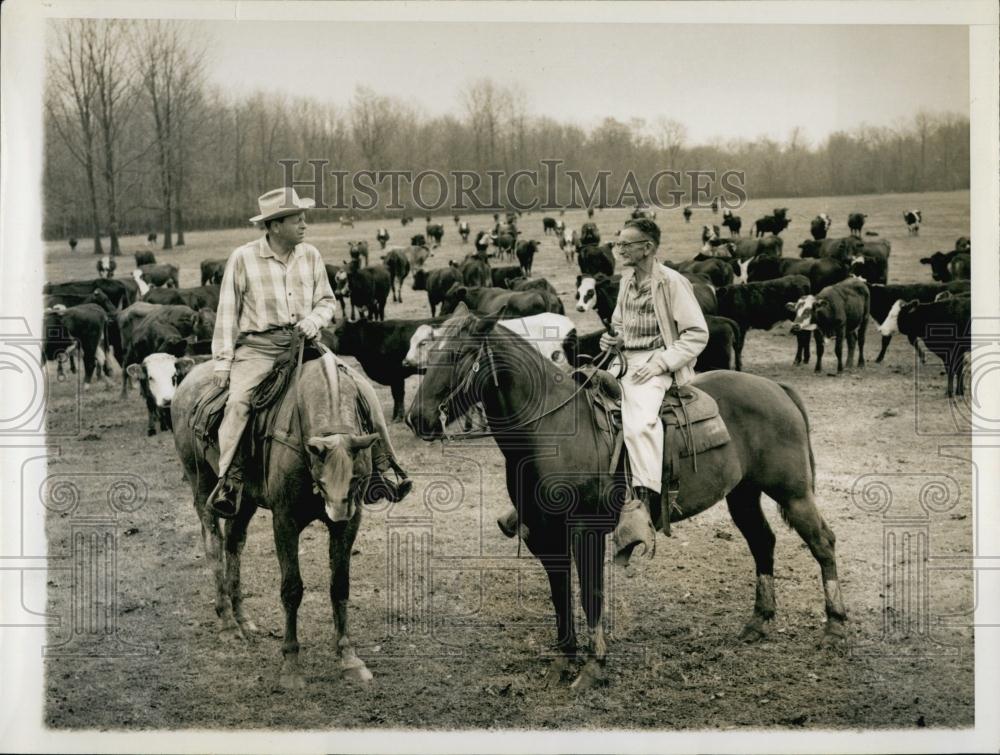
(559, 481)
(318, 466)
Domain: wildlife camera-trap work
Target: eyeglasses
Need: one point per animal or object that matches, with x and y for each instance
(624, 244)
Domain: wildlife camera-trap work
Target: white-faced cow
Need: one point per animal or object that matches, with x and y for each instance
(913, 219)
(159, 375)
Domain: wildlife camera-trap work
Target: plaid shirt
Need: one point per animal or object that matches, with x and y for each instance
(259, 293)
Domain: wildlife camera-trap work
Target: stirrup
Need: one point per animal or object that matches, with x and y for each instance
(224, 501)
(634, 528)
(380, 487)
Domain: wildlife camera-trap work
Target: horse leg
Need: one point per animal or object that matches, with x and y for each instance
(554, 556)
(342, 536)
(851, 342)
(398, 389)
(744, 508)
(235, 538)
(588, 554)
(818, 336)
(286, 543)
(211, 537)
(801, 513)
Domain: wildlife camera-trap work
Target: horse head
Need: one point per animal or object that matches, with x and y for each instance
(337, 467)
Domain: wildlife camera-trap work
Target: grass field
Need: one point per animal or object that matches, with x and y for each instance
(454, 625)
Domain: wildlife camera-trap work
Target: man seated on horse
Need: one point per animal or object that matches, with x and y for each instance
(660, 328)
(270, 287)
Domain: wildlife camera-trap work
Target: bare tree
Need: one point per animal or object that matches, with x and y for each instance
(373, 125)
(670, 136)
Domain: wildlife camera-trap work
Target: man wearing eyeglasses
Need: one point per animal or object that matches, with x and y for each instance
(660, 328)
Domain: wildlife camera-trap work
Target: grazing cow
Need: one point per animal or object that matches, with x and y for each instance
(357, 250)
(733, 222)
(463, 231)
(106, 266)
(72, 243)
(526, 251)
(382, 237)
(856, 221)
(761, 305)
(398, 265)
(160, 275)
(435, 231)
(418, 239)
(871, 261)
(212, 271)
(724, 350)
(773, 224)
(145, 258)
(82, 327)
(475, 271)
(886, 300)
(596, 259)
(159, 374)
(589, 235)
(820, 272)
(201, 297)
(417, 255)
(501, 277)
(117, 292)
(437, 283)
(913, 219)
(687, 214)
(946, 328)
(548, 225)
(719, 271)
(366, 287)
(947, 266)
(838, 311)
(486, 301)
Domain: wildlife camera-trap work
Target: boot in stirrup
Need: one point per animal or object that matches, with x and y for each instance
(380, 486)
(224, 502)
(635, 527)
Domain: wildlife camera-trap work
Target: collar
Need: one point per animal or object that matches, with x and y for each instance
(656, 276)
(264, 249)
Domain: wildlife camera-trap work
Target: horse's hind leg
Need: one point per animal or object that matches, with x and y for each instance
(588, 553)
(802, 515)
(342, 536)
(553, 552)
(211, 537)
(286, 543)
(235, 538)
(744, 507)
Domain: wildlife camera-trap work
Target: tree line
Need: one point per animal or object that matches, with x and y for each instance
(136, 140)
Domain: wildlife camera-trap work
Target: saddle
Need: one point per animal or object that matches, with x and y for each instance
(691, 423)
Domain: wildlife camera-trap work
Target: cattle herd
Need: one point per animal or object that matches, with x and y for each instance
(155, 330)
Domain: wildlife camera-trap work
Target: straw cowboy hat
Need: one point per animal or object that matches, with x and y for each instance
(280, 202)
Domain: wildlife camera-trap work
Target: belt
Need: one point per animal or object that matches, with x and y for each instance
(280, 335)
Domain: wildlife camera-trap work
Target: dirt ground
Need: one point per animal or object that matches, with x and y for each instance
(456, 627)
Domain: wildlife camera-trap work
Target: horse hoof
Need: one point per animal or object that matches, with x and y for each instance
(358, 674)
(835, 634)
(293, 681)
(233, 633)
(557, 673)
(754, 631)
(248, 627)
(591, 675)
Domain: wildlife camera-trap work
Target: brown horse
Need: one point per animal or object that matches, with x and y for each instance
(559, 481)
(318, 469)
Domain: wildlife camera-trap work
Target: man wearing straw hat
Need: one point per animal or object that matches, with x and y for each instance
(271, 286)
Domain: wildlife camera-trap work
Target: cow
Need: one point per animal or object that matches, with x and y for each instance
(106, 266)
(596, 259)
(886, 300)
(569, 242)
(709, 233)
(724, 350)
(436, 283)
(502, 276)
(963, 245)
(598, 292)
(704, 292)
(946, 328)
(947, 266)
(382, 237)
(486, 301)
(159, 275)
(760, 305)
(346, 221)
(590, 212)
(146, 329)
(398, 265)
(144, 258)
(773, 224)
(358, 249)
(715, 205)
(819, 226)
(839, 311)
(719, 271)
(641, 212)
(405, 218)
(83, 327)
(526, 251)
(548, 225)
(151, 238)
(532, 284)
(745, 249)
(331, 274)
(463, 231)
(841, 248)
(72, 243)
(417, 255)
(475, 271)
(820, 272)
(117, 292)
(435, 231)
(855, 222)
(913, 219)
(158, 375)
(560, 227)
(366, 287)
(380, 348)
(687, 214)
(212, 271)
(482, 242)
(201, 297)
(589, 235)
(871, 261)
(505, 243)
(733, 222)
(418, 239)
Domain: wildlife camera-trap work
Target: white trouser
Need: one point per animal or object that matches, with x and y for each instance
(641, 423)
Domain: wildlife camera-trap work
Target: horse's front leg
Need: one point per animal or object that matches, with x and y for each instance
(235, 539)
(342, 536)
(588, 553)
(555, 558)
(286, 542)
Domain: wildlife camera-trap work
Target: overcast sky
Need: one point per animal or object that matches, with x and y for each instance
(720, 81)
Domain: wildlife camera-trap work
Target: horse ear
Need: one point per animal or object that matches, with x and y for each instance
(361, 442)
(317, 445)
(487, 323)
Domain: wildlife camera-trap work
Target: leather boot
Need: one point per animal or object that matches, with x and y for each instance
(509, 527)
(635, 527)
(225, 499)
(380, 486)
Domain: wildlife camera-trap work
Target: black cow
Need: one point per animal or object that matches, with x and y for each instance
(947, 266)
(733, 222)
(72, 243)
(856, 221)
(200, 297)
(501, 277)
(437, 283)
(357, 250)
(435, 231)
(405, 218)
(145, 258)
(963, 245)
(399, 267)
(704, 292)
(482, 242)
(475, 271)
(715, 205)
(505, 244)
(485, 301)
(761, 305)
(463, 231)
(212, 271)
(589, 235)
(687, 214)
(380, 348)
(871, 261)
(367, 287)
(80, 327)
(341, 297)
(946, 328)
(913, 219)
(886, 300)
(418, 239)
(839, 311)
(548, 225)
(841, 248)
(526, 251)
(382, 237)
(724, 350)
(718, 270)
(819, 226)
(534, 284)
(820, 272)
(594, 259)
(773, 224)
(117, 292)
(151, 237)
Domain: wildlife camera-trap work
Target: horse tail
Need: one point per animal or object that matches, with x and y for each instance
(797, 400)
